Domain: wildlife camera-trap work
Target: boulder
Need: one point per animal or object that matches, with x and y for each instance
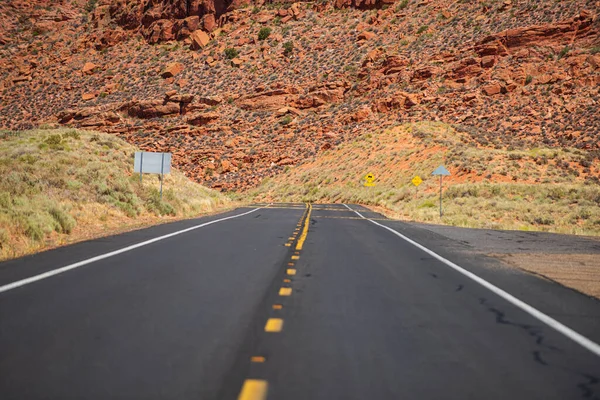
(200, 119)
(492, 89)
(172, 69)
(366, 35)
(88, 96)
(488, 61)
(199, 39)
(208, 22)
(210, 100)
(88, 68)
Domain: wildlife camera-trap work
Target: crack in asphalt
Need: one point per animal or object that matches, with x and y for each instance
(586, 387)
(587, 391)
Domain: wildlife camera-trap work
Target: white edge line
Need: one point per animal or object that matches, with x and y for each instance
(69, 267)
(534, 312)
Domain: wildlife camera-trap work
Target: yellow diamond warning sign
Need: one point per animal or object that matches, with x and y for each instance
(369, 180)
(417, 180)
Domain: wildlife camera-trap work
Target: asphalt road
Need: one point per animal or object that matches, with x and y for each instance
(346, 310)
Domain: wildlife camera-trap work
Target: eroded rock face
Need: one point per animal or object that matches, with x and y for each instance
(363, 4)
(161, 20)
(504, 42)
(150, 108)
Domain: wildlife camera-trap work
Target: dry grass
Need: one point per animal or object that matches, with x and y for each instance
(59, 186)
(532, 189)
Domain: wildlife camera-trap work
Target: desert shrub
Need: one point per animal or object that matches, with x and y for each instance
(231, 53)
(65, 221)
(564, 52)
(264, 33)
(72, 134)
(156, 205)
(402, 5)
(90, 5)
(428, 204)
(288, 47)
(4, 238)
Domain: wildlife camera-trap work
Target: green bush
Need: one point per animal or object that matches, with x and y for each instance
(288, 47)
(156, 205)
(90, 5)
(72, 134)
(54, 142)
(402, 5)
(231, 53)
(564, 52)
(5, 200)
(264, 33)
(66, 223)
(35, 228)
(4, 238)
(428, 204)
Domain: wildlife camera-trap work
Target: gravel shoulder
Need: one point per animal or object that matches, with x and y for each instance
(572, 261)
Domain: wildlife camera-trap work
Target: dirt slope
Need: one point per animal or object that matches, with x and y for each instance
(65, 185)
(540, 189)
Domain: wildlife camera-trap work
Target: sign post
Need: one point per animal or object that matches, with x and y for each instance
(141, 164)
(417, 181)
(162, 174)
(441, 171)
(152, 163)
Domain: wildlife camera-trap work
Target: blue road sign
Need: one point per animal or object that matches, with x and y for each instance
(441, 170)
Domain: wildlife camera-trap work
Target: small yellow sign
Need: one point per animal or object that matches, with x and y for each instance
(369, 180)
(417, 180)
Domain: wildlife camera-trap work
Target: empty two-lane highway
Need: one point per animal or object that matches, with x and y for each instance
(288, 301)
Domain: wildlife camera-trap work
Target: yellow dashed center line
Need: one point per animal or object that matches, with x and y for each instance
(274, 325)
(254, 389)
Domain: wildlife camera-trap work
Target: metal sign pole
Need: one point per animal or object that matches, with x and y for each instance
(162, 175)
(441, 179)
(441, 171)
(141, 165)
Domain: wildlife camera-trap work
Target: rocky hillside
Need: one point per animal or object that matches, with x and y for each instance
(240, 90)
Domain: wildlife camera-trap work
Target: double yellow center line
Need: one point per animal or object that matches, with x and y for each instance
(305, 230)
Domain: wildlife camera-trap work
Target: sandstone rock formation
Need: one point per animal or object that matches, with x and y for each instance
(324, 76)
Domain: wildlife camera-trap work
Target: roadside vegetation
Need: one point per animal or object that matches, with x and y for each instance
(63, 185)
(540, 189)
